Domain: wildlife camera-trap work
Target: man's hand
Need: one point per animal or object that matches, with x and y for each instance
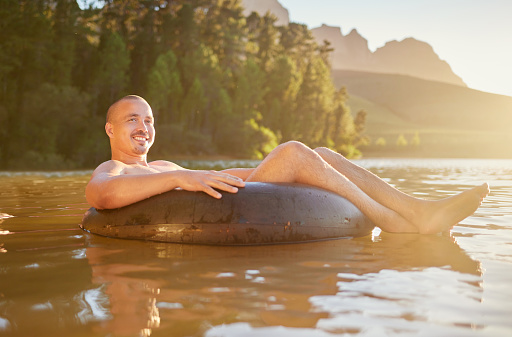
(206, 181)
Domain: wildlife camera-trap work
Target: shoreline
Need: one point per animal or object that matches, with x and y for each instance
(366, 155)
(218, 158)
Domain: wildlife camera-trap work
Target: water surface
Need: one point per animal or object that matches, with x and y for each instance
(56, 280)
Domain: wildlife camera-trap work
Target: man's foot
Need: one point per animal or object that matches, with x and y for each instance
(442, 215)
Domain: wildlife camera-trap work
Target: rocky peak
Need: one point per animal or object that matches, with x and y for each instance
(408, 45)
(350, 51)
(407, 57)
(355, 40)
(414, 58)
(330, 30)
(263, 6)
(329, 33)
(354, 34)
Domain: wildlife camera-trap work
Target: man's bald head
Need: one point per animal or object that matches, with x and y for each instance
(114, 108)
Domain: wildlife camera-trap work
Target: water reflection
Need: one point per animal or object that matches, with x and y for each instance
(188, 289)
(3, 216)
(432, 270)
(38, 288)
(131, 300)
(42, 271)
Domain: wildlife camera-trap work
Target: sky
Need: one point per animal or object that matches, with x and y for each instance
(473, 36)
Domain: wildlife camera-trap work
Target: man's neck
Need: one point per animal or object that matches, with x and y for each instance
(129, 159)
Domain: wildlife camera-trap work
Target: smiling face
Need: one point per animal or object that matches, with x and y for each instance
(130, 129)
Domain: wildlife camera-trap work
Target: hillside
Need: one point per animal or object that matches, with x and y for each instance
(451, 120)
(406, 88)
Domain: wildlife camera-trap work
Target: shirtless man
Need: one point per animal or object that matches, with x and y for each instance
(129, 178)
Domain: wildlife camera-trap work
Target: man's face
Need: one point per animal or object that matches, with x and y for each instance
(132, 127)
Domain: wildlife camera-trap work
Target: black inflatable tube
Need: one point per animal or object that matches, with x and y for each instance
(260, 213)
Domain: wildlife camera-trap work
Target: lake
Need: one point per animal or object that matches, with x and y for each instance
(57, 280)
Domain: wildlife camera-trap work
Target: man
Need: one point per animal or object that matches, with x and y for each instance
(129, 178)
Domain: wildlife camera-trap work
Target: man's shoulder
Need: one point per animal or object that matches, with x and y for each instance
(116, 167)
(110, 166)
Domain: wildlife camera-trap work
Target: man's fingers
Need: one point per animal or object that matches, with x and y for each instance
(222, 186)
(208, 181)
(214, 183)
(228, 178)
(210, 191)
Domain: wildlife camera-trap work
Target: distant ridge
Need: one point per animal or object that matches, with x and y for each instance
(407, 57)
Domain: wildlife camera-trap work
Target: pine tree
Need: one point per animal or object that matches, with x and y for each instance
(145, 50)
(314, 103)
(112, 71)
(193, 103)
(263, 34)
(223, 29)
(283, 83)
(63, 51)
(164, 88)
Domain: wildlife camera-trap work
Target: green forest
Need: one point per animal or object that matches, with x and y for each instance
(219, 83)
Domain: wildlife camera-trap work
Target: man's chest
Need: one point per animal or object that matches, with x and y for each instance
(146, 169)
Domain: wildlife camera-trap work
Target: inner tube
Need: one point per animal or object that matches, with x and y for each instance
(260, 213)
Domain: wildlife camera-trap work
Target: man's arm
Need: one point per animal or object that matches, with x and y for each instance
(109, 187)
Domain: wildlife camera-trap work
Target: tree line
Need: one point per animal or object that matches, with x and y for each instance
(219, 82)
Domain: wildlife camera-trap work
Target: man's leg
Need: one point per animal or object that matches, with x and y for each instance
(372, 185)
(426, 215)
(295, 162)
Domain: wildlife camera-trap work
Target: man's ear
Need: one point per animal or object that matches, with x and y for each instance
(109, 129)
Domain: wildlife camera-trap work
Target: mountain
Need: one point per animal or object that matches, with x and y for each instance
(263, 6)
(350, 51)
(414, 58)
(407, 89)
(407, 57)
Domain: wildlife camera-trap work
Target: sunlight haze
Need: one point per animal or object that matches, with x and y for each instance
(473, 36)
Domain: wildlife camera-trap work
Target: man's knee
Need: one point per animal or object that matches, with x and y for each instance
(292, 149)
(323, 152)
